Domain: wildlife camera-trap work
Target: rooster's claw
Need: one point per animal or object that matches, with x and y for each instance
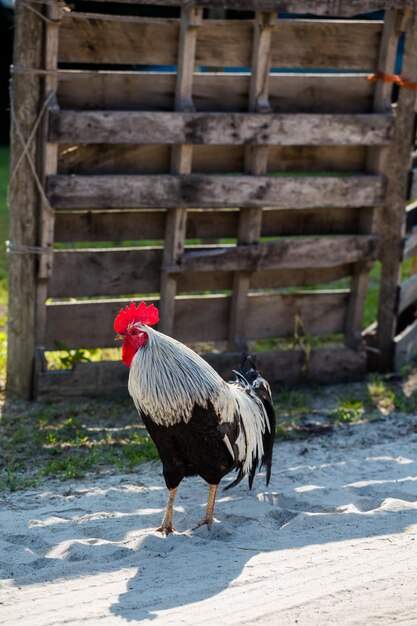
(166, 530)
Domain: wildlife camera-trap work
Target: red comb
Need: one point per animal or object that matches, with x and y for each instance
(131, 313)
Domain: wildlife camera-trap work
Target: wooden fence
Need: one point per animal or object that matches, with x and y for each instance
(235, 199)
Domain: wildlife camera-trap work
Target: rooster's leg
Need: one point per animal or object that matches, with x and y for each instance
(210, 508)
(166, 527)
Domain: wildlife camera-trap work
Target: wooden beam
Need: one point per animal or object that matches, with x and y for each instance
(325, 365)
(109, 378)
(289, 253)
(23, 203)
(205, 224)
(131, 127)
(298, 44)
(376, 162)
(181, 163)
(84, 192)
(110, 272)
(90, 273)
(410, 245)
(407, 293)
(155, 91)
(89, 324)
(49, 166)
(315, 7)
(142, 159)
(105, 272)
(256, 163)
(392, 216)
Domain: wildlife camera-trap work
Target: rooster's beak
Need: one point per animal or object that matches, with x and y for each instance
(119, 338)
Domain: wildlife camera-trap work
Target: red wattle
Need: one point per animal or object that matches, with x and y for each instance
(128, 352)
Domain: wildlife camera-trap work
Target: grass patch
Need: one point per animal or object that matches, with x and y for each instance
(68, 439)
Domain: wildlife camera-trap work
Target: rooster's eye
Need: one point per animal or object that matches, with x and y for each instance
(133, 332)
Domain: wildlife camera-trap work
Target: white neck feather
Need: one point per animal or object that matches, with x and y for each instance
(167, 379)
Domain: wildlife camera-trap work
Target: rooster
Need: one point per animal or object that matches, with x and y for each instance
(200, 424)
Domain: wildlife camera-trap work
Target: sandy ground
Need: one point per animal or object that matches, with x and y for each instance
(332, 540)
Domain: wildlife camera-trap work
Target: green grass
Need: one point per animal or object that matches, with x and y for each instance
(68, 439)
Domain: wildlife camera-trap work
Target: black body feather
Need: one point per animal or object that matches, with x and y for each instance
(198, 448)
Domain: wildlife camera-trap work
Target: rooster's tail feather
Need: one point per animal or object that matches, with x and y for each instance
(253, 385)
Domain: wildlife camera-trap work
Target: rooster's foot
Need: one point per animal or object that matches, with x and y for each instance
(207, 521)
(166, 529)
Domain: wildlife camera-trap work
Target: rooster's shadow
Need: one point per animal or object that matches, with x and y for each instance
(180, 570)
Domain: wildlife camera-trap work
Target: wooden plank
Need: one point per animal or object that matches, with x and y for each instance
(155, 159)
(325, 365)
(23, 202)
(105, 379)
(64, 281)
(66, 192)
(109, 378)
(48, 166)
(413, 189)
(376, 162)
(105, 272)
(119, 40)
(311, 159)
(90, 324)
(263, 279)
(126, 127)
(299, 277)
(113, 159)
(315, 7)
(410, 245)
(325, 44)
(205, 224)
(287, 222)
(405, 346)
(110, 226)
(407, 293)
(392, 215)
(150, 91)
(287, 253)
(87, 89)
(181, 162)
(256, 163)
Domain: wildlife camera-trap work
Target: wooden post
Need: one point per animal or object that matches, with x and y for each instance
(377, 162)
(256, 160)
(181, 163)
(23, 201)
(393, 214)
(49, 167)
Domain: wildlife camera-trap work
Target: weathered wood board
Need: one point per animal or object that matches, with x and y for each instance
(136, 270)
(84, 192)
(90, 324)
(302, 129)
(328, 44)
(314, 7)
(206, 225)
(206, 159)
(109, 378)
(155, 91)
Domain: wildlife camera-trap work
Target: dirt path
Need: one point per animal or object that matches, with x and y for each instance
(332, 540)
